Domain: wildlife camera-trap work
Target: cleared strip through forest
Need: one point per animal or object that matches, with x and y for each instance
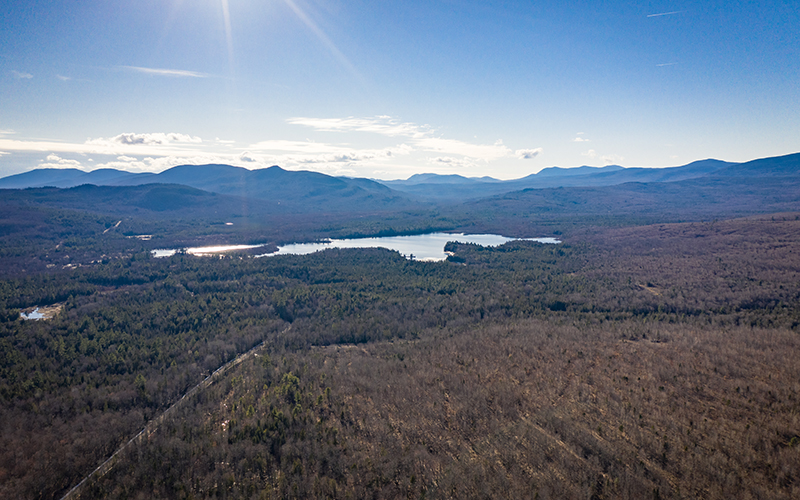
(153, 424)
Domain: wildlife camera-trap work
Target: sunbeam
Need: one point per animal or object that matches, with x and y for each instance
(226, 16)
(343, 60)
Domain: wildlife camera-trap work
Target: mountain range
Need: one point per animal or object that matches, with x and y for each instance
(450, 187)
(284, 190)
(733, 186)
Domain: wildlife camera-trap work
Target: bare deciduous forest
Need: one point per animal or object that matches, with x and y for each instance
(325, 249)
(636, 362)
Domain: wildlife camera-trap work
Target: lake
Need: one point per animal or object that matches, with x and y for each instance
(421, 246)
(429, 247)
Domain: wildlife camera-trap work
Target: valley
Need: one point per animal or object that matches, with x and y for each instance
(306, 249)
(650, 354)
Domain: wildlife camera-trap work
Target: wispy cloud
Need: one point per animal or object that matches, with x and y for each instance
(153, 144)
(64, 78)
(309, 152)
(147, 139)
(55, 161)
(304, 147)
(166, 72)
(23, 145)
(608, 159)
(420, 138)
(383, 125)
(485, 152)
(6, 131)
(580, 139)
(666, 13)
(351, 157)
(21, 75)
(450, 162)
(528, 154)
(666, 64)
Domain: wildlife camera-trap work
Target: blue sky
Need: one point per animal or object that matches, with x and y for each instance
(386, 89)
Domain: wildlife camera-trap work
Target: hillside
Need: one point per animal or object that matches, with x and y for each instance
(456, 188)
(297, 191)
(758, 187)
(43, 228)
(631, 363)
(199, 190)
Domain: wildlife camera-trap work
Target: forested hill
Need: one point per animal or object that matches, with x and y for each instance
(311, 189)
(227, 200)
(717, 196)
(453, 188)
(296, 191)
(62, 177)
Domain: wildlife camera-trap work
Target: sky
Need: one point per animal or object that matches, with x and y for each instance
(387, 89)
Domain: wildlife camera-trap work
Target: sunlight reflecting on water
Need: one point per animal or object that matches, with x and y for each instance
(428, 247)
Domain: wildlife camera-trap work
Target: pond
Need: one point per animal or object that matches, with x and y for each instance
(41, 312)
(429, 247)
(35, 314)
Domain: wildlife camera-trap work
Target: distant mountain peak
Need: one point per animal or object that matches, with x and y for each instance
(582, 170)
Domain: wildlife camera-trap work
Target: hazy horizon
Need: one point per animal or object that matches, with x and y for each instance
(89, 170)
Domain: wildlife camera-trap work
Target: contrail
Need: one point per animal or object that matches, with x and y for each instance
(665, 13)
(166, 72)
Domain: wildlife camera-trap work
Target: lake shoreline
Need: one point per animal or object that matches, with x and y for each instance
(425, 247)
